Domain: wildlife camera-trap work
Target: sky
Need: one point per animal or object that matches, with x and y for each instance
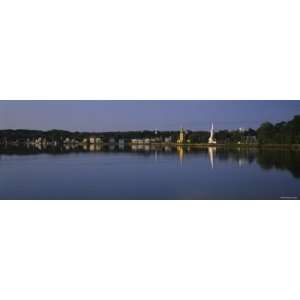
(142, 115)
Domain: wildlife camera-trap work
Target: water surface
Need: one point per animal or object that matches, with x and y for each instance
(144, 172)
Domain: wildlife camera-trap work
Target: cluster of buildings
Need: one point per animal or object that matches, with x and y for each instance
(147, 141)
(97, 140)
(94, 139)
(182, 138)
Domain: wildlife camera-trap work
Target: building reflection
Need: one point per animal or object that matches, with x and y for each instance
(155, 155)
(180, 152)
(39, 147)
(281, 159)
(242, 161)
(211, 154)
(111, 147)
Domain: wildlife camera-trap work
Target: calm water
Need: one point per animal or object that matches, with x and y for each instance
(149, 173)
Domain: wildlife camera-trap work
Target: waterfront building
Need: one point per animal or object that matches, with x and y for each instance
(211, 139)
(98, 140)
(121, 142)
(181, 138)
(168, 139)
(92, 140)
(67, 141)
(74, 141)
(98, 147)
(38, 140)
(147, 141)
(251, 139)
(111, 141)
(85, 141)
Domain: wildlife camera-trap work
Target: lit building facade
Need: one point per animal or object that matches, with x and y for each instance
(181, 138)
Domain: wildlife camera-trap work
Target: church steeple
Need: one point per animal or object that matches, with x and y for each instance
(211, 139)
(181, 138)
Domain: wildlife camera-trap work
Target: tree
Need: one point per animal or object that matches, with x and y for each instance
(265, 133)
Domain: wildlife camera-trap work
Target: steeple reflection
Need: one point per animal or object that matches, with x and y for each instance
(180, 152)
(265, 158)
(211, 154)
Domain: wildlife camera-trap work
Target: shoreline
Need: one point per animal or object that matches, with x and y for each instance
(194, 145)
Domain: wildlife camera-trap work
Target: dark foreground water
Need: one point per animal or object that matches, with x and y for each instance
(149, 173)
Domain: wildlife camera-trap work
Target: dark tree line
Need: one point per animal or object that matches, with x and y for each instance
(280, 133)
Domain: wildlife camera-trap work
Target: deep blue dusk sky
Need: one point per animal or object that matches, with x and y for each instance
(139, 115)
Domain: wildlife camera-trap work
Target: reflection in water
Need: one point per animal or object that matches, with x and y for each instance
(211, 154)
(242, 161)
(267, 159)
(280, 160)
(180, 152)
(111, 147)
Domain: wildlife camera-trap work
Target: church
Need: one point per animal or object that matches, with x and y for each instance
(211, 139)
(182, 136)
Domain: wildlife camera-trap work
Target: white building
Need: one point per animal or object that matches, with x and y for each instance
(211, 139)
(38, 140)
